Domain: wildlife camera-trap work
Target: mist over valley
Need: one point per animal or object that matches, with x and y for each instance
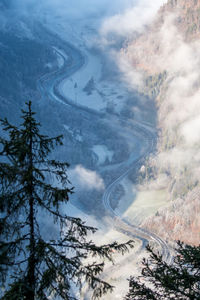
(120, 82)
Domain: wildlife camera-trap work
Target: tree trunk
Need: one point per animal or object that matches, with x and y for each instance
(30, 293)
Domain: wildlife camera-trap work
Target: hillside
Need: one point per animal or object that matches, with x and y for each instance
(177, 15)
(167, 56)
(187, 16)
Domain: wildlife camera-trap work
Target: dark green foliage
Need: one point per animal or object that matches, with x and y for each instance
(33, 264)
(164, 281)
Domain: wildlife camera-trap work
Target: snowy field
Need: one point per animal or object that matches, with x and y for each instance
(87, 86)
(136, 206)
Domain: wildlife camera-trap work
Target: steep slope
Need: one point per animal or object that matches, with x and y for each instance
(182, 16)
(187, 16)
(167, 56)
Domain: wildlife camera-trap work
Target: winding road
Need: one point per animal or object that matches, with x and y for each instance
(49, 85)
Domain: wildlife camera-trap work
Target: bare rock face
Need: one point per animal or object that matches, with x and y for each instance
(167, 55)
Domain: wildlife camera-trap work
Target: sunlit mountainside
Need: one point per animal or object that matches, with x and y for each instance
(167, 57)
(187, 16)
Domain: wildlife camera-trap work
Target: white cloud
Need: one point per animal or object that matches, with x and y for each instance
(134, 17)
(191, 130)
(86, 179)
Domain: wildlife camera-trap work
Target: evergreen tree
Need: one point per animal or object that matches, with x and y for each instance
(32, 266)
(179, 280)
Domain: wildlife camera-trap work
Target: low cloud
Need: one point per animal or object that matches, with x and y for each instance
(86, 179)
(133, 18)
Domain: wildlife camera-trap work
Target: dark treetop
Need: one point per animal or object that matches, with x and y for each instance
(32, 264)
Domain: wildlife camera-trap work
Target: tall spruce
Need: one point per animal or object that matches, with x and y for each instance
(161, 280)
(32, 187)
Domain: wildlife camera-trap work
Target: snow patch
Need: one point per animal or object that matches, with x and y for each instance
(103, 153)
(75, 133)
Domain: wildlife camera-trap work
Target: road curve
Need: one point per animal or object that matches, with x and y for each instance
(48, 85)
(125, 225)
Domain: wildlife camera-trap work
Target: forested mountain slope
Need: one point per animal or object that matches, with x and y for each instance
(167, 56)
